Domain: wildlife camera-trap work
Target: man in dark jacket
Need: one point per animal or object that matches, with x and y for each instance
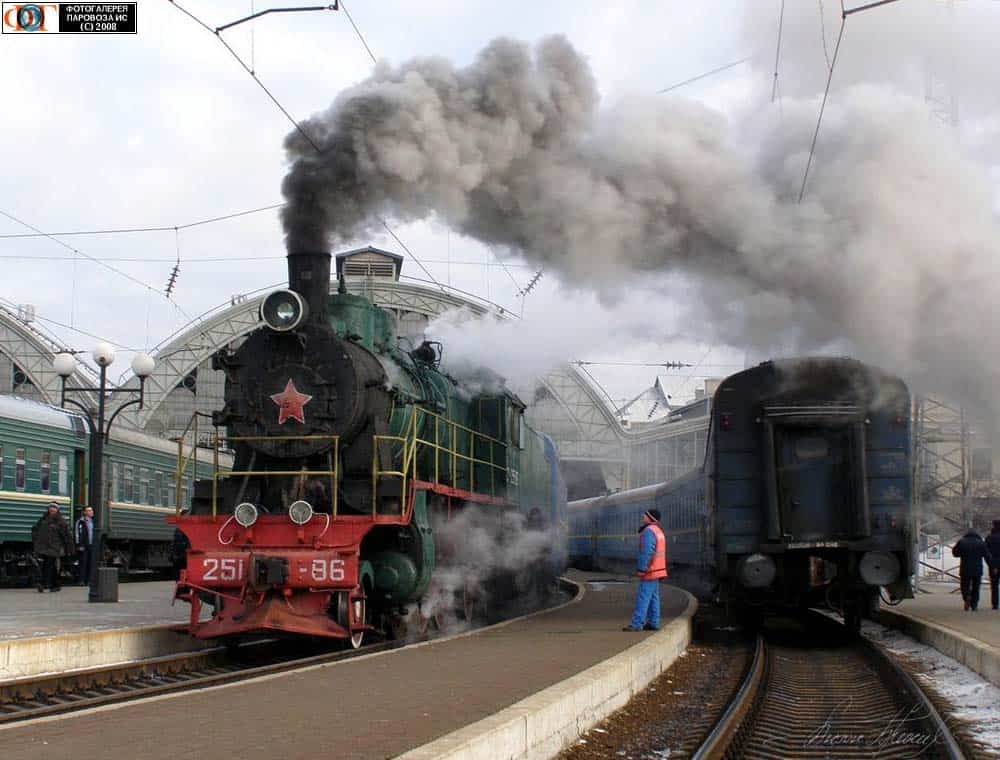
(51, 541)
(84, 537)
(971, 549)
(993, 546)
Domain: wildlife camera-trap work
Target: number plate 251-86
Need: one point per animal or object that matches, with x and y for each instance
(305, 569)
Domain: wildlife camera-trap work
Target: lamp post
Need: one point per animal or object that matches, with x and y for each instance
(65, 365)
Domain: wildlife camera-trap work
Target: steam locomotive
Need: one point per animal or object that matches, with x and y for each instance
(363, 480)
(803, 499)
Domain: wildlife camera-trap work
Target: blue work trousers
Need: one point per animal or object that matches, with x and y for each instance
(647, 605)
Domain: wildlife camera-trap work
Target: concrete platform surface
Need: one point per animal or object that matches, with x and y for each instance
(371, 707)
(26, 613)
(945, 609)
(939, 620)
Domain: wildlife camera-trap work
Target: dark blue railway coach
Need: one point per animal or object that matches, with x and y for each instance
(804, 497)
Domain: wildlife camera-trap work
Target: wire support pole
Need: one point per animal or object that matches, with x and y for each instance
(867, 6)
(258, 14)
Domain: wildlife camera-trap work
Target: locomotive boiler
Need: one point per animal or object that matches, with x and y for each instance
(352, 458)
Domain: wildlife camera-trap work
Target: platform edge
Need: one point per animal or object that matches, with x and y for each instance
(540, 726)
(976, 655)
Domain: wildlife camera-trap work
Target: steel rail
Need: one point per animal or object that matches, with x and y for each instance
(736, 713)
(732, 735)
(96, 687)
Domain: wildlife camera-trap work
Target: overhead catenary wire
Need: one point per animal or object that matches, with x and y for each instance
(704, 75)
(107, 266)
(157, 228)
(51, 321)
(844, 13)
(822, 32)
(777, 51)
(358, 32)
(249, 71)
(405, 248)
(288, 116)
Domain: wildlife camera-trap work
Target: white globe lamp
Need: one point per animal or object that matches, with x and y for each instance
(64, 364)
(143, 365)
(104, 354)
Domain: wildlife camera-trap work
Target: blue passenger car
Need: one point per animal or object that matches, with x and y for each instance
(804, 496)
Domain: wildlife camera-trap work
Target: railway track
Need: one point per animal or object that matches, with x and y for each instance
(54, 694)
(819, 694)
(57, 693)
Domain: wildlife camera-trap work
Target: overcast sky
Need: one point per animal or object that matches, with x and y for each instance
(165, 128)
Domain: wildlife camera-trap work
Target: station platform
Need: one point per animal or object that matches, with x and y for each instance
(389, 703)
(936, 617)
(25, 613)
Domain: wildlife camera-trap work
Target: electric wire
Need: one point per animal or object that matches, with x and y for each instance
(822, 107)
(777, 51)
(130, 230)
(51, 321)
(107, 266)
(844, 13)
(358, 32)
(249, 71)
(822, 32)
(705, 75)
(405, 248)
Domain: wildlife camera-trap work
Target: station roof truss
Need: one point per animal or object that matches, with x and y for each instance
(33, 351)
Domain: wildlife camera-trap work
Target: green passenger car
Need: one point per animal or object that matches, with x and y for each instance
(44, 455)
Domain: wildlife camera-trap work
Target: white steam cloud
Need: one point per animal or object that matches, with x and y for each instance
(892, 249)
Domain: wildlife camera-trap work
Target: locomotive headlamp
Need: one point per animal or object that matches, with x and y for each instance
(245, 514)
(300, 512)
(283, 310)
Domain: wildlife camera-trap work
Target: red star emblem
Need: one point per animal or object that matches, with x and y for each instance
(290, 404)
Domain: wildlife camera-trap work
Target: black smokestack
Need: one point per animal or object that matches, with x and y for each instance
(309, 276)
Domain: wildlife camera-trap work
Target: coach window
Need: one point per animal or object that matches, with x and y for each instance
(46, 471)
(127, 480)
(19, 469)
(63, 475)
(115, 482)
(157, 492)
(1, 468)
(144, 486)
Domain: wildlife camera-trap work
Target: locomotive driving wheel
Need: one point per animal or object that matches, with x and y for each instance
(359, 613)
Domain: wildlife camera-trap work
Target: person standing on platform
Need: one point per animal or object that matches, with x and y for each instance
(652, 566)
(51, 541)
(84, 537)
(971, 549)
(993, 546)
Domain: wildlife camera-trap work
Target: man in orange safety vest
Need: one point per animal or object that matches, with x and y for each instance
(651, 567)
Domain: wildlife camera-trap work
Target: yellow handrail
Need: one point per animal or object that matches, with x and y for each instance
(332, 473)
(411, 444)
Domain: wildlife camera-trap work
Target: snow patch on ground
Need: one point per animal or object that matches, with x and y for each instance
(974, 700)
